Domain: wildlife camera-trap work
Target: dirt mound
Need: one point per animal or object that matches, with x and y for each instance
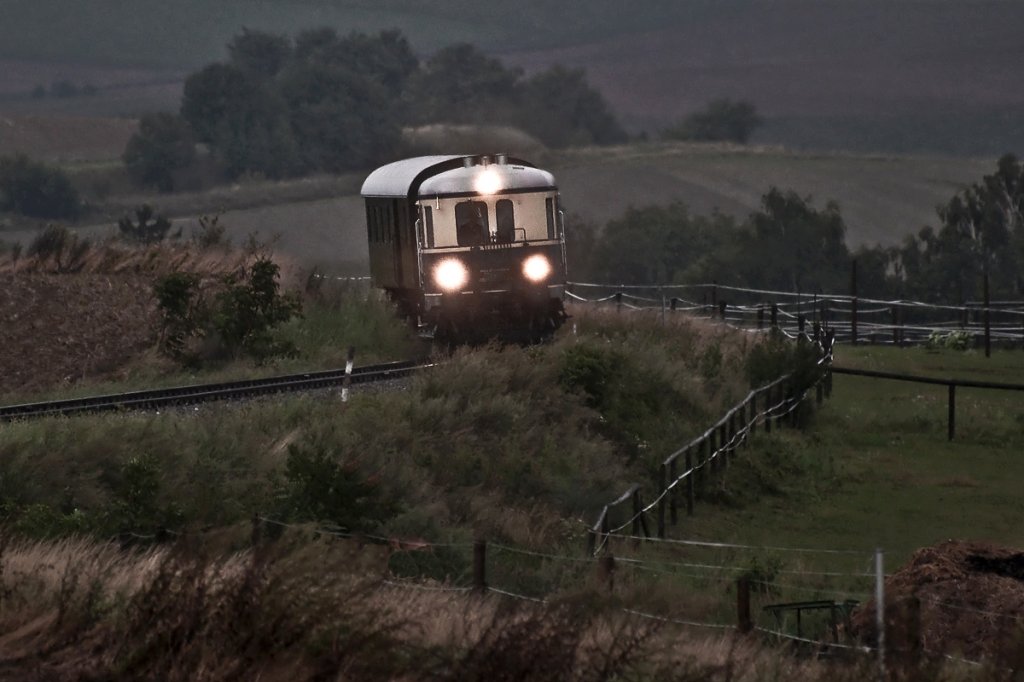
(971, 597)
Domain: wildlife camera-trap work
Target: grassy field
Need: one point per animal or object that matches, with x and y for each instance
(881, 471)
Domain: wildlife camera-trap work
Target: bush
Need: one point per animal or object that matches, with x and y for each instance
(322, 487)
(241, 318)
(62, 246)
(36, 190)
(721, 120)
(148, 227)
(777, 356)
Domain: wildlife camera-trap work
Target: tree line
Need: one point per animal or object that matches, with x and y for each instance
(321, 102)
(788, 244)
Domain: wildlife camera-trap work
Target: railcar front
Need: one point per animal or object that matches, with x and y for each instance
(486, 246)
(492, 251)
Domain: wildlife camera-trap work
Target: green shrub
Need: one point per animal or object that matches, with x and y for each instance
(178, 298)
(36, 190)
(135, 504)
(240, 320)
(958, 339)
(250, 307)
(321, 486)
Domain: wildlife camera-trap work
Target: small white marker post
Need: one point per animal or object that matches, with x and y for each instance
(880, 612)
(347, 381)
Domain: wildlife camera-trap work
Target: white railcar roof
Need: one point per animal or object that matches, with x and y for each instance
(395, 179)
(509, 177)
(400, 178)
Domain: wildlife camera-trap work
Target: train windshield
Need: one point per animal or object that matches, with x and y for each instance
(504, 216)
(471, 223)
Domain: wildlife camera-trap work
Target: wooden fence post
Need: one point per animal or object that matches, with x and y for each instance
(662, 499)
(951, 420)
(673, 501)
(257, 530)
(853, 302)
(689, 482)
(743, 621)
(988, 319)
(725, 443)
(721, 309)
(637, 511)
(618, 301)
(480, 565)
(775, 315)
(675, 303)
(606, 571)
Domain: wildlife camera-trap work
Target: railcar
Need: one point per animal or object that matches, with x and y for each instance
(468, 247)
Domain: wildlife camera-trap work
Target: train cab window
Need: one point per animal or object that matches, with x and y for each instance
(505, 218)
(471, 223)
(429, 221)
(549, 208)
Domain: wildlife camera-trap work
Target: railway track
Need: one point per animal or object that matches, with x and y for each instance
(202, 393)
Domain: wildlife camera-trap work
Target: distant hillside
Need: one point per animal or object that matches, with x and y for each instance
(936, 76)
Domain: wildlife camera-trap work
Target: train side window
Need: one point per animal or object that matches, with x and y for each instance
(430, 226)
(471, 223)
(505, 217)
(549, 208)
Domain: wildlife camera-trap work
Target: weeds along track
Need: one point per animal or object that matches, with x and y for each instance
(203, 393)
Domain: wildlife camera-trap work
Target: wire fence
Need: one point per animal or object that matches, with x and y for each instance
(708, 455)
(851, 319)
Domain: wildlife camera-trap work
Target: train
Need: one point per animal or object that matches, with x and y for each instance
(469, 248)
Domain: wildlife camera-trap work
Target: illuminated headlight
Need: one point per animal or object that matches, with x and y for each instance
(536, 268)
(488, 182)
(451, 275)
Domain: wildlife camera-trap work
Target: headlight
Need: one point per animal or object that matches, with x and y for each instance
(488, 182)
(450, 274)
(536, 268)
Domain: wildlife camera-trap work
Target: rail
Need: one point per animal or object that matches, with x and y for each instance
(200, 393)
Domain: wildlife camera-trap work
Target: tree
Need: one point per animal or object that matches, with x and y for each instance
(461, 84)
(243, 120)
(981, 232)
(258, 54)
(36, 190)
(790, 245)
(386, 59)
(560, 108)
(658, 244)
(722, 120)
(163, 145)
(340, 120)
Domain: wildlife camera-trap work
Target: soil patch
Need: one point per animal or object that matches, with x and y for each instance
(971, 597)
(63, 328)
